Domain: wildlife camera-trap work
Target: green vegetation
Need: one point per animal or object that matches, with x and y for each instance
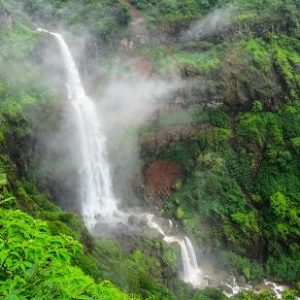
(242, 190)
(239, 194)
(101, 18)
(36, 264)
(258, 16)
(171, 15)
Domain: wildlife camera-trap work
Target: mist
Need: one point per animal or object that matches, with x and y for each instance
(215, 22)
(127, 103)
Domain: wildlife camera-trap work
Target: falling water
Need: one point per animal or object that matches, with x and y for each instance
(95, 188)
(191, 272)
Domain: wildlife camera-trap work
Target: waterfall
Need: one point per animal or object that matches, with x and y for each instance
(95, 185)
(191, 272)
(95, 188)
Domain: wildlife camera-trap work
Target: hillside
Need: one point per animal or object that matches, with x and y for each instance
(186, 110)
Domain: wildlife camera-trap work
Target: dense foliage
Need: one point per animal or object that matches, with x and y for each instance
(240, 192)
(102, 19)
(244, 190)
(36, 264)
(259, 16)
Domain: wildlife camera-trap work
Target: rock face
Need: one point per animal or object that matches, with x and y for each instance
(161, 176)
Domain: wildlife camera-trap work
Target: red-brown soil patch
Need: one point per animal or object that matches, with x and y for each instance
(161, 176)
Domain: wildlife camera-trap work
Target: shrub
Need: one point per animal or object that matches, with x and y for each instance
(242, 266)
(36, 264)
(285, 268)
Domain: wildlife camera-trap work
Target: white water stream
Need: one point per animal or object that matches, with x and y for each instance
(97, 199)
(96, 195)
(191, 272)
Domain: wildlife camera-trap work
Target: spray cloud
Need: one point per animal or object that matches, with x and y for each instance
(215, 22)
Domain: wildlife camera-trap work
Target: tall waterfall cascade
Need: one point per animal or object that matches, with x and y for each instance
(95, 188)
